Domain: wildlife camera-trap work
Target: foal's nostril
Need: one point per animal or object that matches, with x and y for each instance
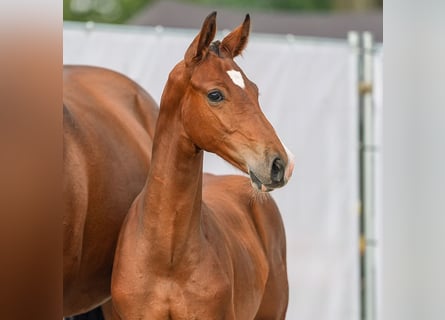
(277, 171)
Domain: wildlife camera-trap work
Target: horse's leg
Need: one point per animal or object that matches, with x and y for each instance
(276, 294)
(95, 314)
(107, 310)
(103, 312)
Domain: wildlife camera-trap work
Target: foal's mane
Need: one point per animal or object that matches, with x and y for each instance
(214, 47)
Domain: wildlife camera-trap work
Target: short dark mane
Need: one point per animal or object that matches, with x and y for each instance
(214, 47)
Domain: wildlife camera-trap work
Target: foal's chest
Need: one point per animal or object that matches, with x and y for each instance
(205, 292)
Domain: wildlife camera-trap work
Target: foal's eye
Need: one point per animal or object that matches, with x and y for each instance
(215, 96)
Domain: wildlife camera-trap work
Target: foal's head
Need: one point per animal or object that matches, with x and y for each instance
(220, 109)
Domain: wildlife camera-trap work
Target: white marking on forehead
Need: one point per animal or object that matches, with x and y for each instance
(236, 77)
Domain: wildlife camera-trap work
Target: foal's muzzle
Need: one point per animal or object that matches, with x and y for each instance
(274, 179)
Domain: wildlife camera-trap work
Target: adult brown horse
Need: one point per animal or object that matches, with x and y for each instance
(212, 248)
(108, 130)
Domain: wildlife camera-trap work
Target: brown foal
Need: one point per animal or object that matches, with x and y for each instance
(212, 247)
(108, 128)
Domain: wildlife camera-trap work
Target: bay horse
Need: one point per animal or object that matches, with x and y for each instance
(212, 247)
(108, 129)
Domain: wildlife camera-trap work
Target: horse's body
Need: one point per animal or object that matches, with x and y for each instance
(109, 124)
(252, 224)
(212, 247)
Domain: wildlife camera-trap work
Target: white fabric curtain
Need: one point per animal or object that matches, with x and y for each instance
(308, 92)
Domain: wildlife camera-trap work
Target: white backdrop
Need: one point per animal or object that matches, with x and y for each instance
(308, 92)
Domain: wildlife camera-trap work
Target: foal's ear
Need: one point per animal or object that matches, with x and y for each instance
(200, 44)
(235, 42)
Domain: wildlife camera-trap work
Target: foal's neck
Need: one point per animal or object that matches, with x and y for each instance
(172, 202)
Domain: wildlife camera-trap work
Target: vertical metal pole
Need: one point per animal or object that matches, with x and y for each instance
(367, 175)
(369, 150)
(357, 64)
(363, 47)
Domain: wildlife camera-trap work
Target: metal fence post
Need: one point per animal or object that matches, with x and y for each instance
(363, 46)
(368, 241)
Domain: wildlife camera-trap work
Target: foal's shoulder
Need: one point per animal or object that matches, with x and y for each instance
(244, 203)
(228, 184)
(235, 187)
